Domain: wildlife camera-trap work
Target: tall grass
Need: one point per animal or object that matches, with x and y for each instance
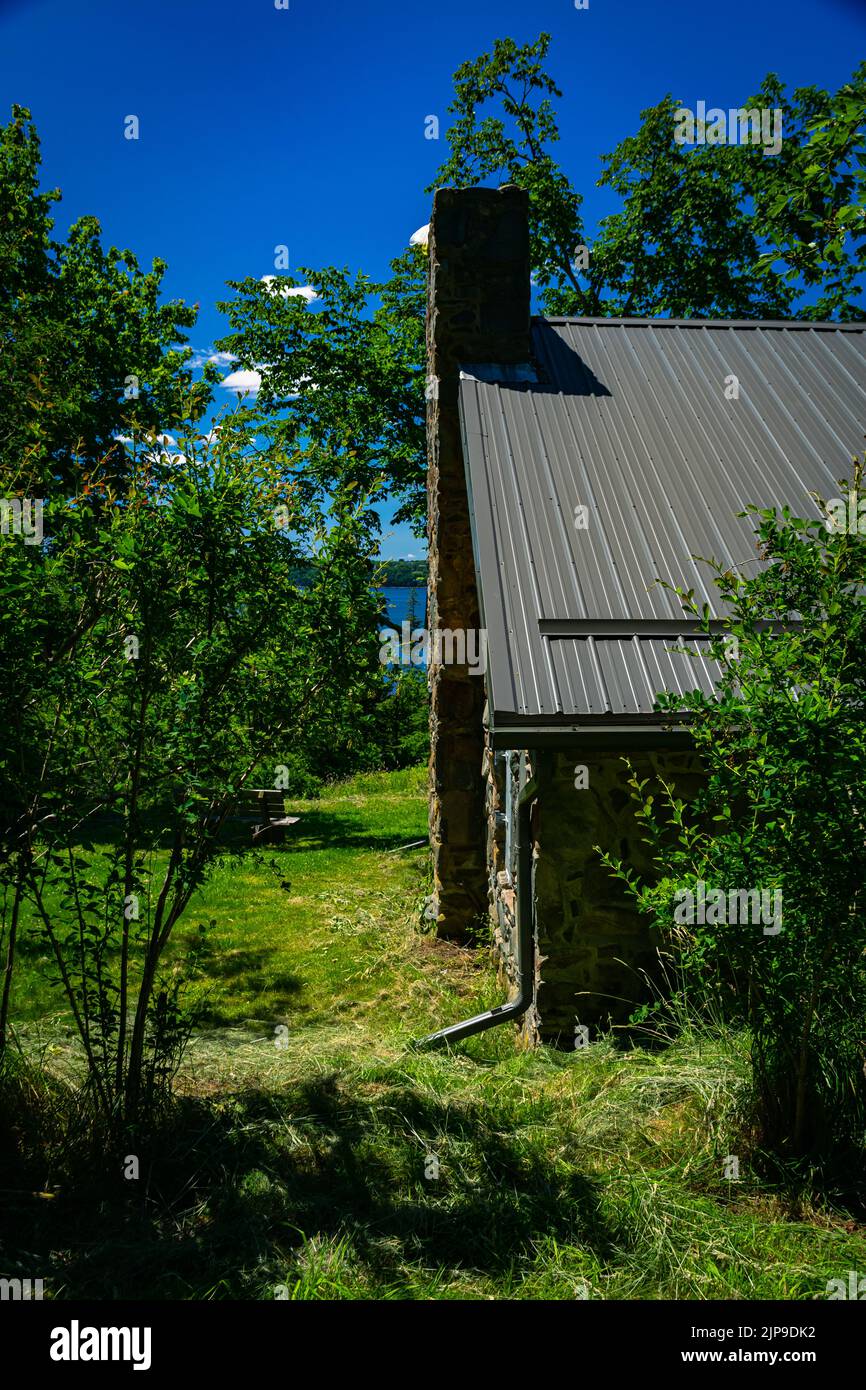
(303, 1171)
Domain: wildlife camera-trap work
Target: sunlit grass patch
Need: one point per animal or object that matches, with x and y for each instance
(312, 1154)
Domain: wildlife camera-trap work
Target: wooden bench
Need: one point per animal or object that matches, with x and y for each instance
(266, 808)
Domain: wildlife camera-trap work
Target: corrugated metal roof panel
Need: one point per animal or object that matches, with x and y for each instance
(630, 419)
(603, 675)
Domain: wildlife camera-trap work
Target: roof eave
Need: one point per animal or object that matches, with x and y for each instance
(605, 731)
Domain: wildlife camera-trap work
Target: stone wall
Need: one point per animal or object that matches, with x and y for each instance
(591, 945)
(478, 311)
(594, 944)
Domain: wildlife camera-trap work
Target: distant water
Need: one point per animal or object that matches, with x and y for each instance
(399, 601)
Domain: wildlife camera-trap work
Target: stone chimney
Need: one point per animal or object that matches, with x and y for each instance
(477, 312)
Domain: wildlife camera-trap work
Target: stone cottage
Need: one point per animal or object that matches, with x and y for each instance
(572, 463)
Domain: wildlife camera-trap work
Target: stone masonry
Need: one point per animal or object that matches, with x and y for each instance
(593, 952)
(478, 311)
(596, 950)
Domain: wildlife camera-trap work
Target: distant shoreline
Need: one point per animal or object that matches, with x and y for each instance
(390, 574)
(403, 574)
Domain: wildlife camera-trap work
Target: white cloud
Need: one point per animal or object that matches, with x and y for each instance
(419, 238)
(242, 383)
(204, 355)
(305, 292)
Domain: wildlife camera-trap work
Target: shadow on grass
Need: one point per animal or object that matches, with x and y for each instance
(226, 1191)
(323, 830)
(316, 829)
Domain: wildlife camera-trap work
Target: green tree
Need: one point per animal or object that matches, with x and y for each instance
(783, 744)
(504, 128)
(342, 382)
(89, 350)
(811, 200)
(181, 656)
(702, 231)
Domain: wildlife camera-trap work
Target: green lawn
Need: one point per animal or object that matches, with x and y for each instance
(343, 1165)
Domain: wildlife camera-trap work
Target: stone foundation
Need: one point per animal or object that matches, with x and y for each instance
(593, 950)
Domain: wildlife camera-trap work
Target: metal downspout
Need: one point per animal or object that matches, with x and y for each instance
(525, 940)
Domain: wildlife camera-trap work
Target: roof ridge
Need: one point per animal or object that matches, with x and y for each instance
(611, 321)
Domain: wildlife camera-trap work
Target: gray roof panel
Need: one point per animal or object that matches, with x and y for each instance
(630, 419)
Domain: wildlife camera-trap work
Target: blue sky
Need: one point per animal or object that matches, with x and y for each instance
(305, 126)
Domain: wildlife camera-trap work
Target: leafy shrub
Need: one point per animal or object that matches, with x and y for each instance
(158, 651)
(783, 811)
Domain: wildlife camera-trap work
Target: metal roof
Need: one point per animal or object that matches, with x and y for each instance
(631, 420)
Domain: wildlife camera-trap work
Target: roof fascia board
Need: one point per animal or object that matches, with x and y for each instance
(623, 737)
